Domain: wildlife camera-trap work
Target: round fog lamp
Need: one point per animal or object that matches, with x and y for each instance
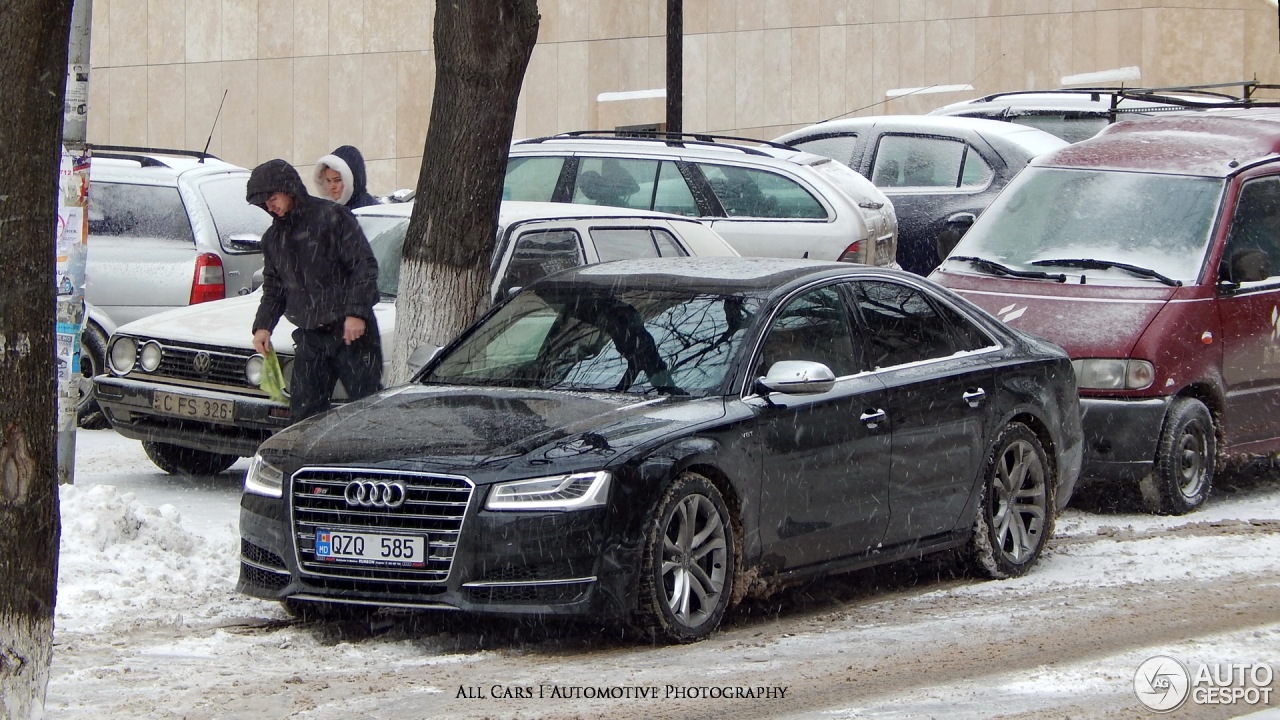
(151, 356)
(253, 370)
(124, 353)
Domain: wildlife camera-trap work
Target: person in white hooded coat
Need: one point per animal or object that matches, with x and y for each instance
(340, 177)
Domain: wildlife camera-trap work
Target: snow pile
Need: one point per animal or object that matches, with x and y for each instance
(124, 561)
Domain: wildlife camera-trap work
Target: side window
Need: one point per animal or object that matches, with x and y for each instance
(977, 173)
(231, 214)
(910, 161)
(616, 182)
(747, 192)
(965, 336)
(537, 254)
(532, 178)
(623, 243)
(149, 211)
(813, 326)
(667, 244)
(836, 147)
(1253, 247)
(902, 325)
(672, 194)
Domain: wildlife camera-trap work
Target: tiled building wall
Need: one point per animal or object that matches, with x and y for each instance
(302, 77)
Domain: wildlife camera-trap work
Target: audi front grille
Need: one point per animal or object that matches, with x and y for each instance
(342, 500)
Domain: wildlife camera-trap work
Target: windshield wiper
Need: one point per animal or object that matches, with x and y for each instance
(996, 268)
(1086, 264)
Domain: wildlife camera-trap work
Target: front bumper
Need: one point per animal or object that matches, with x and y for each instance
(1120, 436)
(504, 563)
(131, 408)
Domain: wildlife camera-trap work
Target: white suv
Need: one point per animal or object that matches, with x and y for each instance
(763, 198)
(167, 228)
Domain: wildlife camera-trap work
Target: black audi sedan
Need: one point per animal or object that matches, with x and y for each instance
(654, 440)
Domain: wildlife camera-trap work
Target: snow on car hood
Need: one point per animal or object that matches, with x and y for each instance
(1086, 320)
(229, 323)
(459, 428)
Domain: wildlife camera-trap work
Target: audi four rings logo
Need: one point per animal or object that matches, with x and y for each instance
(202, 362)
(374, 493)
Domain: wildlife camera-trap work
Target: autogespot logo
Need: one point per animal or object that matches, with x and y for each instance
(1162, 683)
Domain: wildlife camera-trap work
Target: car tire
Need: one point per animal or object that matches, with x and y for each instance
(93, 361)
(178, 460)
(688, 564)
(1185, 460)
(1016, 509)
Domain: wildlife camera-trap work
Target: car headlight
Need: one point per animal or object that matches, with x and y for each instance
(149, 358)
(124, 353)
(253, 370)
(263, 478)
(558, 492)
(1113, 374)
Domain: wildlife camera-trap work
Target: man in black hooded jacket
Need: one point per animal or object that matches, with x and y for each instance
(320, 273)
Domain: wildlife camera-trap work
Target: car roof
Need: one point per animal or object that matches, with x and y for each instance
(1210, 143)
(513, 211)
(686, 146)
(1034, 139)
(719, 274)
(147, 164)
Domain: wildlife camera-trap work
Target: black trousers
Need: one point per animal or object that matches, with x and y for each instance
(321, 359)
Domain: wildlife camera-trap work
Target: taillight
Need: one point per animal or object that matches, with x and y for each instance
(208, 283)
(853, 253)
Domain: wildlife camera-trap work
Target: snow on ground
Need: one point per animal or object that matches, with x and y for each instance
(143, 551)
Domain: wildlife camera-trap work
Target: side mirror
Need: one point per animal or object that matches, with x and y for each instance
(257, 278)
(245, 242)
(422, 355)
(797, 377)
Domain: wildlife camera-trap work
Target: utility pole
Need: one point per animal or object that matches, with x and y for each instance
(70, 242)
(675, 66)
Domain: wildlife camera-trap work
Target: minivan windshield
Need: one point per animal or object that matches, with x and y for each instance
(1155, 223)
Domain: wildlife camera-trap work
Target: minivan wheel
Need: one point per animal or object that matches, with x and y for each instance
(687, 569)
(93, 361)
(178, 460)
(1015, 513)
(1184, 465)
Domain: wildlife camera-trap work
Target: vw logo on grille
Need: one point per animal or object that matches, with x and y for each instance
(202, 362)
(374, 493)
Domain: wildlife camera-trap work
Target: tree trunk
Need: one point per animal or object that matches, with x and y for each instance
(481, 52)
(33, 53)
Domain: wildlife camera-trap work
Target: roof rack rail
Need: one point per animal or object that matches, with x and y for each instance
(143, 154)
(674, 139)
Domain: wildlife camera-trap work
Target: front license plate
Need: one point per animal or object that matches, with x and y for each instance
(195, 408)
(368, 548)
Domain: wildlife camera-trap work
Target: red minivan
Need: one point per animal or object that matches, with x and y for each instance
(1151, 253)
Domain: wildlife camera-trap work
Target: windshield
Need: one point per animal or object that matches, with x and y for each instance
(386, 237)
(1158, 222)
(644, 341)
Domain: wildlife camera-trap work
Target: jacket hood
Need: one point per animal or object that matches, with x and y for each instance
(349, 163)
(270, 177)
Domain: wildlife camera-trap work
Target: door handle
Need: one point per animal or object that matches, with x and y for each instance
(974, 397)
(872, 418)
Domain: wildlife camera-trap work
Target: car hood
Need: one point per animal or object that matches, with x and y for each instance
(462, 428)
(1086, 320)
(229, 323)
